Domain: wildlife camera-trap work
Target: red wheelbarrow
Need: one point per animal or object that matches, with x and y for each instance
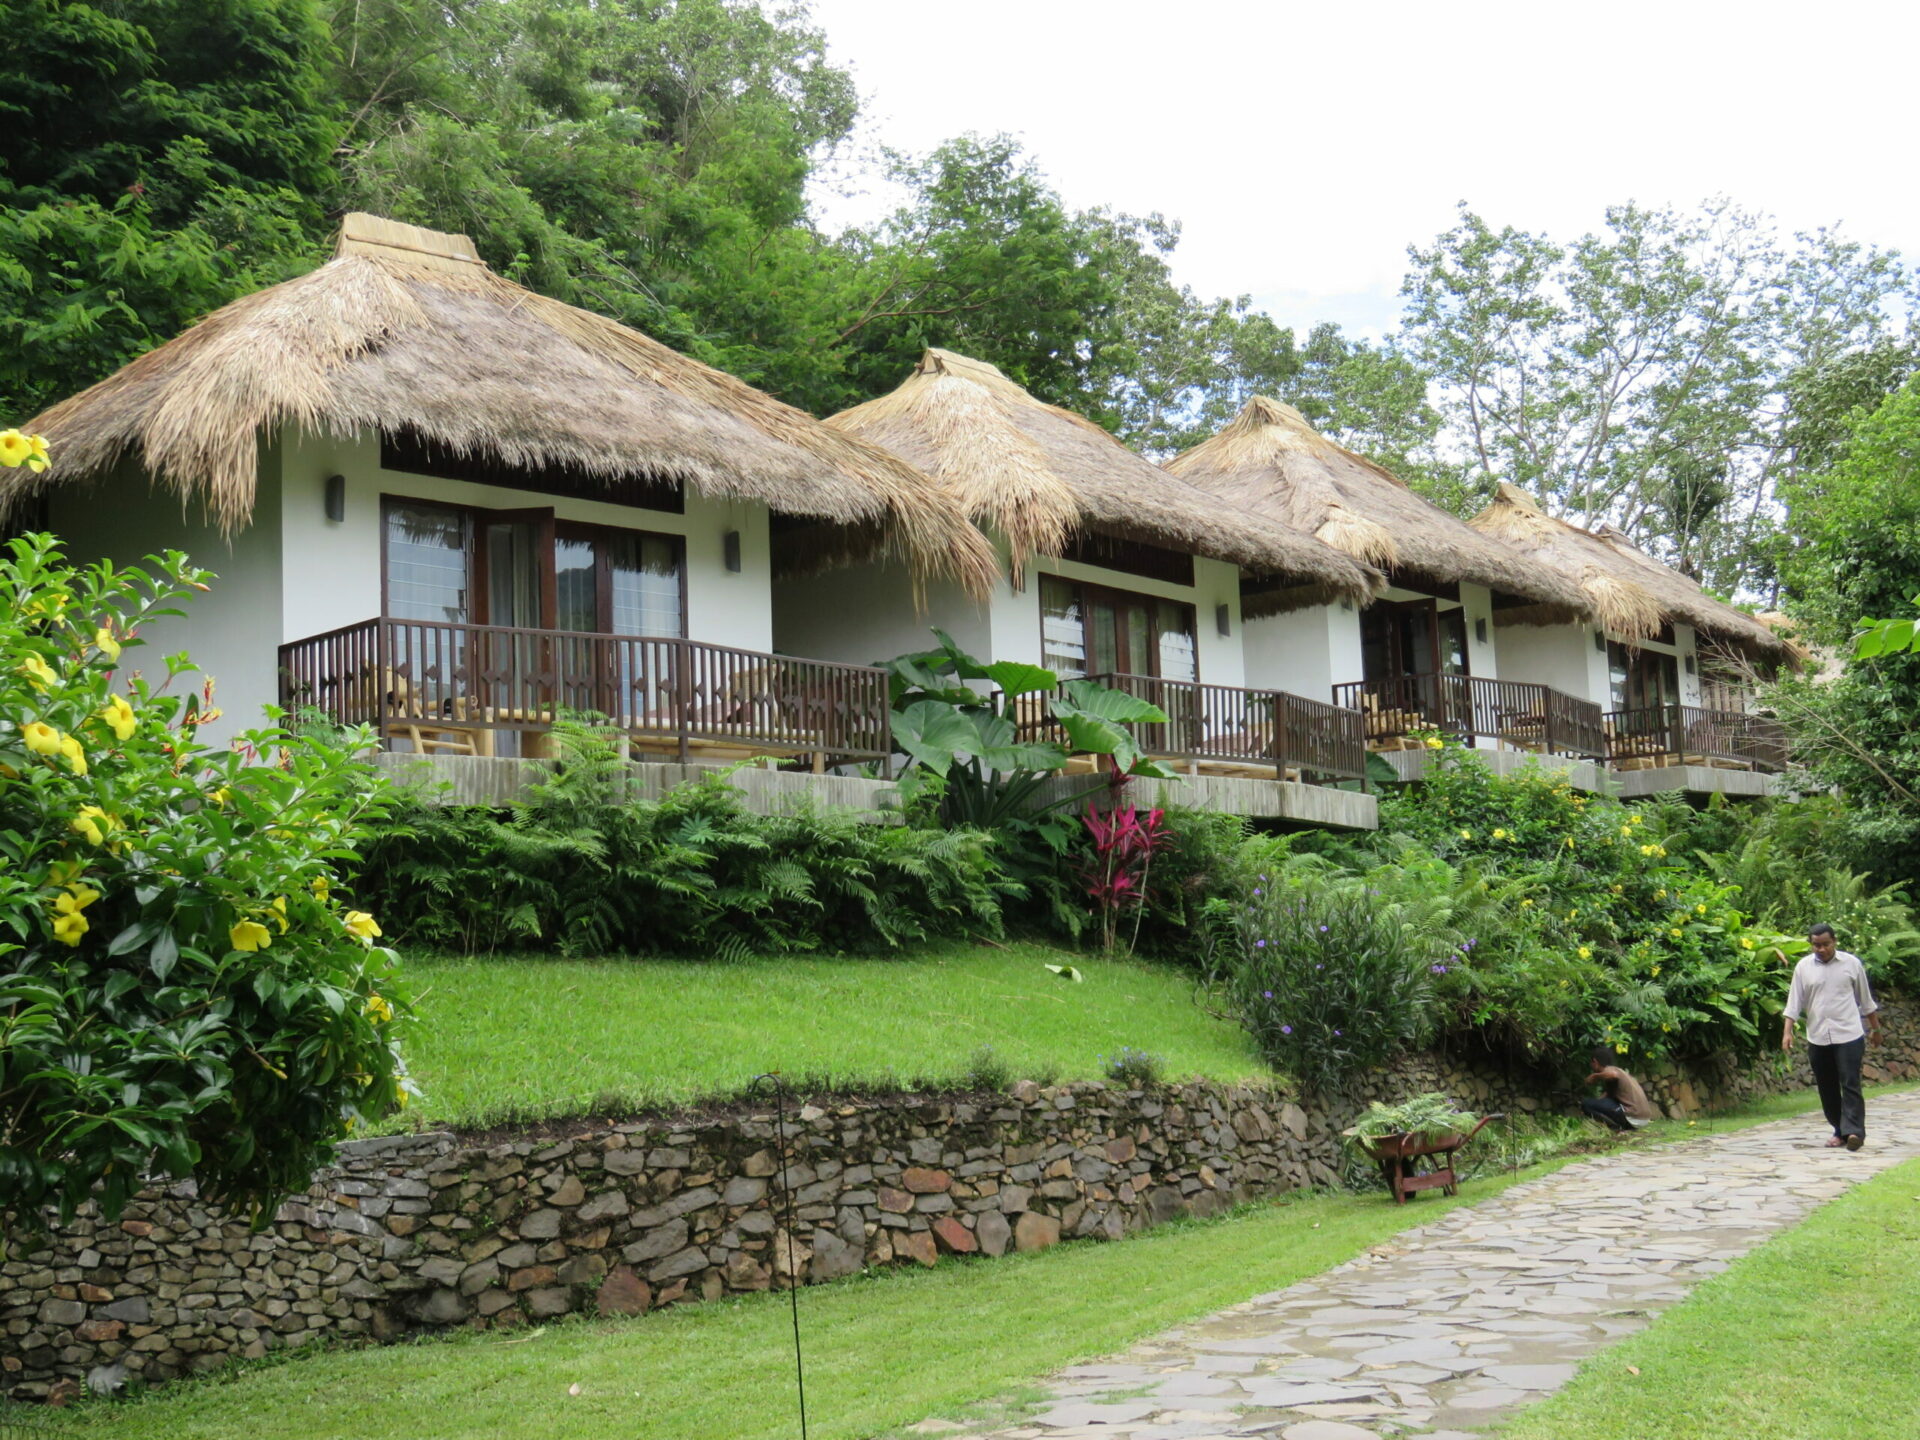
(1401, 1157)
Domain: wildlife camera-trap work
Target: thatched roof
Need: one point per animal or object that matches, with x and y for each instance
(1629, 592)
(407, 330)
(1270, 461)
(1038, 474)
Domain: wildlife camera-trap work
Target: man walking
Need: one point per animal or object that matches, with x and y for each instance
(1830, 989)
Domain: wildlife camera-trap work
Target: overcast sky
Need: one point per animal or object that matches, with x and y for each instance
(1304, 148)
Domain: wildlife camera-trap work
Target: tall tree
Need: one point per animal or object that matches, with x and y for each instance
(1639, 375)
(161, 158)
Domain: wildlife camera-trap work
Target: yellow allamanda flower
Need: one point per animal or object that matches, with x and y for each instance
(279, 908)
(39, 674)
(75, 756)
(1636, 819)
(1585, 954)
(1659, 894)
(1626, 830)
(361, 926)
(104, 642)
(378, 1008)
(1746, 944)
(1434, 742)
(321, 888)
(1646, 849)
(93, 824)
(250, 935)
(41, 738)
(68, 928)
(15, 448)
(1466, 834)
(1699, 909)
(220, 797)
(76, 899)
(120, 718)
(1675, 934)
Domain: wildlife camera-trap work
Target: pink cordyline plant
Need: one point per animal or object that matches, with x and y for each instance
(1124, 842)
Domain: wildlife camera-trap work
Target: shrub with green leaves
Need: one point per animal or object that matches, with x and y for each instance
(1330, 977)
(583, 868)
(183, 991)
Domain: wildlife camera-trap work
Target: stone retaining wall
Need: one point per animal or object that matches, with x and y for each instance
(427, 1232)
(431, 1232)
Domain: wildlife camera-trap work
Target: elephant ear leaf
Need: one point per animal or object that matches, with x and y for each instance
(1016, 679)
(933, 733)
(999, 748)
(1095, 718)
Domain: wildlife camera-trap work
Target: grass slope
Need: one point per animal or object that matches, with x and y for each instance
(1811, 1336)
(515, 1039)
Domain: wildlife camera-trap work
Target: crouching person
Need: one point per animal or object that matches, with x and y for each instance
(1623, 1105)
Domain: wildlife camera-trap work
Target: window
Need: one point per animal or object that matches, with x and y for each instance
(1640, 679)
(517, 568)
(1091, 630)
(429, 564)
(1399, 639)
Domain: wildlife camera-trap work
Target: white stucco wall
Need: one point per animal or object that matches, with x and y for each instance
(862, 613)
(332, 571)
(1561, 656)
(233, 632)
(1566, 658)
(1304, 652)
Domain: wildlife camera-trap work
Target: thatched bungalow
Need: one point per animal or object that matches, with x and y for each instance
(1447, 582)
(424, 487)
(1107, 564)
(1655, 640)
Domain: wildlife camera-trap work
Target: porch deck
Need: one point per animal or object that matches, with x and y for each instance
(1513, 713)
(442, 688)
(1660, 737)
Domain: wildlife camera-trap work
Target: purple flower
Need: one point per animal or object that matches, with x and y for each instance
(1438, 969)
(1286, 1029)
(1266, 994)
(1259, 944)
(1323, 929)
(1336, 1032)
(1319, 967)
(1256, 891)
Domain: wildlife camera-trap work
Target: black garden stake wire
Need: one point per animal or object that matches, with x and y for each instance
(779, 1087)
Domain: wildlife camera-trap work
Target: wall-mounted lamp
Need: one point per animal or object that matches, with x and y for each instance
(1223, 619)
(1346, 603)
(1600, 641)
(1480, 630)
(732, 547)
(336, 497)
(1689, 665)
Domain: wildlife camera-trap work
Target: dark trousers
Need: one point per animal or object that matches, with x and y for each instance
(1605, 1107)
(1836, 1070)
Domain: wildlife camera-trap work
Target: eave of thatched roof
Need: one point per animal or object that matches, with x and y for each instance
(1629, 592)
(1038, 474)
(1270, 461)
(406, 329)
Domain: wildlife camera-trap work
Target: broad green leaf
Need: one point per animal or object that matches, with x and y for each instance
(1016, 679)
(933, 733)
(996, 744)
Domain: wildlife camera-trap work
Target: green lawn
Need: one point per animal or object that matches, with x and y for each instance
(883, 1351)
(1811, 1336)
(517, 1039)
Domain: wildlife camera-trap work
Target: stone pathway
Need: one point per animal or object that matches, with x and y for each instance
(1446, 1327)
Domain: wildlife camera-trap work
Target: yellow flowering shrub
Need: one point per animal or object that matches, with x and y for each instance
(182, 992)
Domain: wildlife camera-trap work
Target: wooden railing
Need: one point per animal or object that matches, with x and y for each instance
(1690, 735)
(1225, 725)
(427, 681)
(1470, 707)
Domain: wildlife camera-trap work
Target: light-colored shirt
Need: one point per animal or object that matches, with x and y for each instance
(1835, 998)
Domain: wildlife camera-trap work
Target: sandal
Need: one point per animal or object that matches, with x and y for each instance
(1854, 1142)
(1836, 1142)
